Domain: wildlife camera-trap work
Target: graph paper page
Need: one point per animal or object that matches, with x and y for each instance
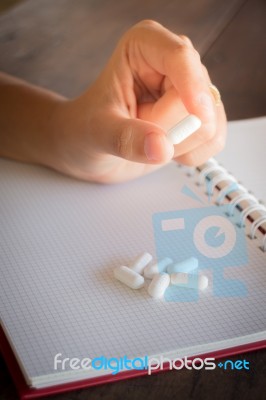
(60, 241)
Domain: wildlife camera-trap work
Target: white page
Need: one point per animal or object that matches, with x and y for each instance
(61, 239)
(245, 154)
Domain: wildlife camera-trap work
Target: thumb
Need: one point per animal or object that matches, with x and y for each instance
(135, 140)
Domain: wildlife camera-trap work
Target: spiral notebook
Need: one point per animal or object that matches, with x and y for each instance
(62, 238)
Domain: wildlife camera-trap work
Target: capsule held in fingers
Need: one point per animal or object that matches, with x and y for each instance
(184, 129)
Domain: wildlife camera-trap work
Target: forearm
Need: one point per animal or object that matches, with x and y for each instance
(27, 120)
(116, 130)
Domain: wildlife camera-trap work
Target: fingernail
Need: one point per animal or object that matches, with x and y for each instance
(151, 147)
(157, 147)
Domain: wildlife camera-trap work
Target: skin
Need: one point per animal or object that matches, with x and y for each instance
(116, 130)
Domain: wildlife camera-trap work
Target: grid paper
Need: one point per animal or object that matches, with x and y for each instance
(60, 241)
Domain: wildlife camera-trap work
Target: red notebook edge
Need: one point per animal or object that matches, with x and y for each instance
(27, 393)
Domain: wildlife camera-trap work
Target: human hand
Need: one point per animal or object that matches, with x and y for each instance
(116, 130)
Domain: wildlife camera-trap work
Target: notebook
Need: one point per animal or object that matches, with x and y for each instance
(61, 239)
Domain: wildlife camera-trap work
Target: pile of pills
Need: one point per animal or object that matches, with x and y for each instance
(162, 274)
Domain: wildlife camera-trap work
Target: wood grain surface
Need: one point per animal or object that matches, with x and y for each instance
(64, 44)
(237, 62)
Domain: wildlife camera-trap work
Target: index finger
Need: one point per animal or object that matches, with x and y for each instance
(175, 57)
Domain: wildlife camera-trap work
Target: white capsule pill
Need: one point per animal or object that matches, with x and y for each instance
(184, 129)
(141, 262)
(158, 285)
(154, 269)
(188, 265)
(129, 277)
(191, 281)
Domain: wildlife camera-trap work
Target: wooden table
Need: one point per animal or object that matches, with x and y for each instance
(63, 45)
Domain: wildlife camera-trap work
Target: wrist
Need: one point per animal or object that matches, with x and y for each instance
(69, 137)
(42, 145)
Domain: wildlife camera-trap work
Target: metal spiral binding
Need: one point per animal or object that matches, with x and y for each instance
(215, 176)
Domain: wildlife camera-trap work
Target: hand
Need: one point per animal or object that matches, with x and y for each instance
(117, 129)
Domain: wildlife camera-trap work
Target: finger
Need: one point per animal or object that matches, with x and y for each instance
(165, 112)
(134, 140)
(198, 140)
(202, 153)
(175, 57)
